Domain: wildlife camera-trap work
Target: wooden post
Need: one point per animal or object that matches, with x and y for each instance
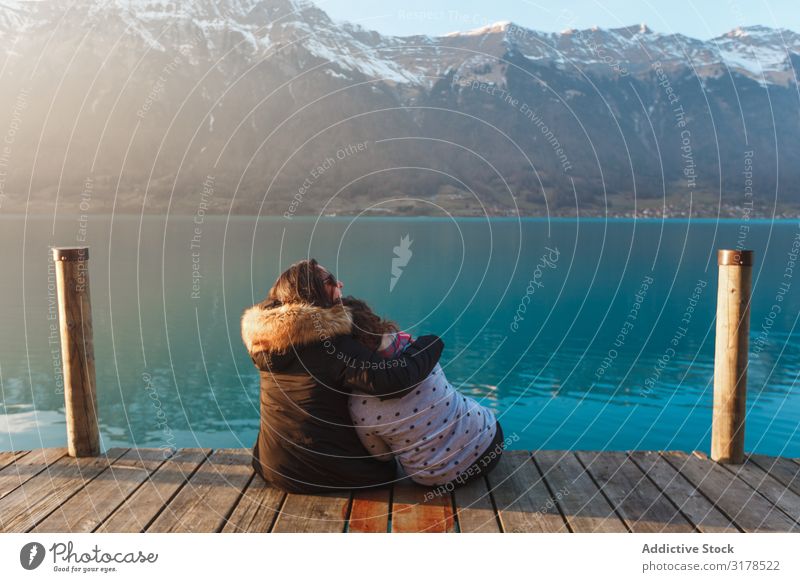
(77, 350)
(730, 358)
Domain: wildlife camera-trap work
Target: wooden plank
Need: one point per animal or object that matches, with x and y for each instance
(782, 469)
(734, 497)
(370, 511)
(694, 505)
(90, 506)
(326, 512)
(776, 492)
(421, 509)
(210, 495)
(257, 509)
(585, 508)
(146, 503)
(35, 499)
(523, 502)
(8, 457)
(474, 508)
(27, 467)
(640, 503)
(47, 491)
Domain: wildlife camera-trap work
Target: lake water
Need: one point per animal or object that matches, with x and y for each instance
(532, 313)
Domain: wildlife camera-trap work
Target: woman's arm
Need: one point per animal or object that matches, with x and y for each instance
(394, 377)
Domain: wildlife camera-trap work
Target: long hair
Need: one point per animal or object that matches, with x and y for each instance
(300, 283)
(368, 328)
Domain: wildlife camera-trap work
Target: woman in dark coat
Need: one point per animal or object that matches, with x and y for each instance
(300, 339)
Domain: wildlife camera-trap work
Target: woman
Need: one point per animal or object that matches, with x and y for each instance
(300, 340)
(439, 436)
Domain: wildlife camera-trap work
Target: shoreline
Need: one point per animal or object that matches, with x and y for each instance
(349, 217)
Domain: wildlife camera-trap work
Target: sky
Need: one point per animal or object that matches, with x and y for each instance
(702, 19)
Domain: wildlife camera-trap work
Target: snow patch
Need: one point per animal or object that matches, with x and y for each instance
(500, 26)
(335, 74)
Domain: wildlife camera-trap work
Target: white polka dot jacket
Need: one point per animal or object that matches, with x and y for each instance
(434, 432)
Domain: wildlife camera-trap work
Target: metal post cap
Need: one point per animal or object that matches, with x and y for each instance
(70, 253)
(735, 257)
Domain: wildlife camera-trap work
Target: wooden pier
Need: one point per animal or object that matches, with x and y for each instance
(204, 490)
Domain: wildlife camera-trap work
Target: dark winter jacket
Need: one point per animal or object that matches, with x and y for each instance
(309, 363)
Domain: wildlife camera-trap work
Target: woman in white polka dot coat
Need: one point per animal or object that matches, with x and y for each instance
(439, 436)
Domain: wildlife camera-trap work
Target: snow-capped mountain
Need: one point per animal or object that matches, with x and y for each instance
(147, 98)
(757, 52)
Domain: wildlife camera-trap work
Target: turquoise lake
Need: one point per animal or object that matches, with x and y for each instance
(532, 313)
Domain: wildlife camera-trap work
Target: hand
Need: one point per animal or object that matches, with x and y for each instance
(430, 344)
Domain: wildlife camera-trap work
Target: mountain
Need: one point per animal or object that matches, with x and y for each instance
(271, 107)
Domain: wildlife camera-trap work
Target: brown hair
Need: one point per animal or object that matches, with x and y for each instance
(368, 328)
(300, 283)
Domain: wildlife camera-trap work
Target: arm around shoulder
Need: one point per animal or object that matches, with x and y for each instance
(394, 377)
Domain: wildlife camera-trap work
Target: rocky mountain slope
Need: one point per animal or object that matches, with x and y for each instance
(271, 107)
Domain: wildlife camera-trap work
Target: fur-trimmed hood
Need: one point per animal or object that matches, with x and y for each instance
(281, 329)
